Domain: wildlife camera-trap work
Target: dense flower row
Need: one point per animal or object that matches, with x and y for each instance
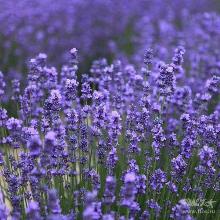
(120, 143)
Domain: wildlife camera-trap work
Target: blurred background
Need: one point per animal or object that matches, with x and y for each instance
(102, 28)
(97, 28)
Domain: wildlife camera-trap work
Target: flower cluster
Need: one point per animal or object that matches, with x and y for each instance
(105, 152)
(136, 137)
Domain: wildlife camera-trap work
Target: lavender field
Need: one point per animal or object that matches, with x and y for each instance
(109, 109)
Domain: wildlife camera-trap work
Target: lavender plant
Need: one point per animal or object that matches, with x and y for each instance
(137, 137)
(123, 142)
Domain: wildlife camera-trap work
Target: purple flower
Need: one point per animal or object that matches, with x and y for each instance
(109, 194)
(86, 89)
(155, 206)
(148, 56)
(15, 90)
(33, 211)
(2, 85)
(110, 131)
(158, 137)
(145, 215)
(133, 167)
(53, 103)
(158, 179)
(50, 142)
(41, 59)
(178, 57)
(35, 146)
(181, 211)
(4, 212)
(207, 156)
(114, 125)
(166, 80)
(112, 159)
(92, 212)
(74, 58)
(71, 89)
(172, 187)
(213, 85)
(53, 202)
(98, 97)
(50, 78)
(92, 209)
(182, 98)
(142, 184)
(179, 166)
(110, 216)
(129, 190)
(72, 119)
(95, 179)
(14, 124)
(3, 117)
